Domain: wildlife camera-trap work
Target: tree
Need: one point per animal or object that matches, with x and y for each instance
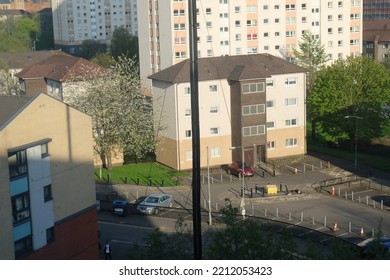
(121, 114)
(91, 48)
(123, 44)
(104, 59)
(312, 56)
(351, 87)
(8, 84)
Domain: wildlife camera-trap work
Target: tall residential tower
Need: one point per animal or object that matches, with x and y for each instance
(233, 27)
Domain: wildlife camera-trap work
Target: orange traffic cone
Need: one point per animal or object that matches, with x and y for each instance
(333, 191)
(335, 227)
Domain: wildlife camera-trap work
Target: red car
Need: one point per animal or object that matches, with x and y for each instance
(235, 168)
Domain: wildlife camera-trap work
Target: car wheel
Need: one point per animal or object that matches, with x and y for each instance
(155, 211)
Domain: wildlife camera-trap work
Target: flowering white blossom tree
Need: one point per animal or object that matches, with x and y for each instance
(121, 111)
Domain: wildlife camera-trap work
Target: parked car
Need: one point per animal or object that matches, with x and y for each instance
(120, 207)
(154, 203)
(235, 168)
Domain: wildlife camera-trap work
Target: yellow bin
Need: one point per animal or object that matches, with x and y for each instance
(271, 189)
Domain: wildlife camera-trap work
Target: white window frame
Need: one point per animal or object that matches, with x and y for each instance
(187, 112)
(215, 152)
(253, 109)
(253, 130)
(213, 88)
(252, 87)
(188, 133)
(214, 110)
(214, 130)
(290, 102)
(292, 81)
(270, 125)
(291, 122)
(269, 103)
(291, 142)
(271, 145)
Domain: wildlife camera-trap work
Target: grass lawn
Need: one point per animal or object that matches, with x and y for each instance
(375, 161)
(142, 173)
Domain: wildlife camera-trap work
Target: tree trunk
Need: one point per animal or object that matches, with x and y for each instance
(103, 159)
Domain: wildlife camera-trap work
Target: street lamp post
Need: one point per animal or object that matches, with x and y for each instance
(242, 204)
(356, 138)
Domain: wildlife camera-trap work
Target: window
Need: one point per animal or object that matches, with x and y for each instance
(215, 152)
(290, 7)
(20, 207)
(188, 133)
(179, 26)
(340, 30)
(187, 90)
(330, 30)
(269, 83)
(303, 6)
(354, 29)
(270, 104)
(291, 20)
(209, 38)
(251, 22)
(189, 155)
(23, 245)
(315, 10)
(276, 7)
(237, 9)
(253, 87)
(214, 110)
(47, 193)
(270, 124)
(277, 34)
(330, 4)
(355, 16)
(265, 7)
(180, 54)
(304, 19)
(291, 81)
(277, 20)
(214, 131)
(340, 17)
(187, 112)
(213, 88)
(290, 101)
(208, 11)
(251, 9)
(340, 43)
(354, 42)
(265, 34)
(340, 4)
(44, 150)
(180, 40)
(253, 130)
(291, 142)
(237, 23)
(177, 13)
(238, 37)
(251, 36)
(252, 50)
(290, 34)
(253, 109)
(209, 24)
(291, 122)
(17, 163)
(271, 144)
(330, 44)
(330, 17)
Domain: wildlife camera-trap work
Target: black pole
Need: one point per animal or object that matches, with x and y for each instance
(195, 129)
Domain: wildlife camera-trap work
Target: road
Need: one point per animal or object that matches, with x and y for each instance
(310, 209)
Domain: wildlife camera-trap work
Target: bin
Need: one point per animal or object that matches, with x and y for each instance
(271, 189)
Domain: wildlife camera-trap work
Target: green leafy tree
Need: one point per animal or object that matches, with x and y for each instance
(356, 87)
(91, 48)
(312, 56)
(104, 59)
(8, 84)
(121, 114)
(124, 44)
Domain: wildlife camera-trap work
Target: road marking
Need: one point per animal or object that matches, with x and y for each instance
(130, 242)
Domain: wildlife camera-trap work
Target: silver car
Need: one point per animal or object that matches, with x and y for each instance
(153, 203)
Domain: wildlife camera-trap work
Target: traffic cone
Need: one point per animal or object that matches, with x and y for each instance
(333, 191)
(335, 227)
(361, 232)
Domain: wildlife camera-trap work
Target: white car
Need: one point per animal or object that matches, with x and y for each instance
(154, 203)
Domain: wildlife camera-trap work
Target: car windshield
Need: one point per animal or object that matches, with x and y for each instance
(151, 199)
(245, 165)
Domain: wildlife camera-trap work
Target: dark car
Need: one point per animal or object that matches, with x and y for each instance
(235, 168)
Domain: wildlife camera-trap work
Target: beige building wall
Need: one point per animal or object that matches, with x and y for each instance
(71, 146)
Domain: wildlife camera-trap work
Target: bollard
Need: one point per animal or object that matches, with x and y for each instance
(138, 180)
(273, 173)
(277, 213)
(313, 221)
(382, 204)
(289, 216)
(108, 177)
(265, 212)
(221, 178)
(302, 216)
(373, 203)
(263, 174)
(256, 188)
(150, 181)
(352, 196)
(346, 195)
(251, 192)
(339, 192)
(359, 198)
(162, 182)
(349, 227)
(325, 221)
(253, 209)
(137, 195)
(125, 179)
(367, 200)
(280, 186)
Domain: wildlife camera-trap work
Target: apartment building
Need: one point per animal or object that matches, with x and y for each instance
(376, 9)
(233, 27)
(47, 187)
(255, 102)
(75, 21)
(376, 39)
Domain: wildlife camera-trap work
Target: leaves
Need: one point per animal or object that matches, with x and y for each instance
(351, 87)
(121, 114)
